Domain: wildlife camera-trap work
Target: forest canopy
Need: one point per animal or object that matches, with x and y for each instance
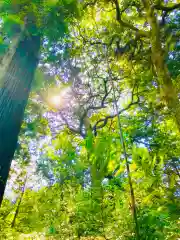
(90, 119)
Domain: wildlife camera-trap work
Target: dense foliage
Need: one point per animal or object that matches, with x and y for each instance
(98, 153)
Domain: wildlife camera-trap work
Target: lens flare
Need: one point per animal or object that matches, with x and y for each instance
(56, 100)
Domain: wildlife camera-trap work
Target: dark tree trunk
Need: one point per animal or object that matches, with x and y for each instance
(14, 91)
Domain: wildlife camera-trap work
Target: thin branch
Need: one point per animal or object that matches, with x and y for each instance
(102, 105)
(126, 24)
(19, 203)
(90, 4)
(107, 118)
(95, 107)
(128, 46)
(73, 130)
(167, 8)
(106, 92)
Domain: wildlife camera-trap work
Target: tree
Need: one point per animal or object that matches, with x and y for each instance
(18, 68)
(103, 76)
(150, 42)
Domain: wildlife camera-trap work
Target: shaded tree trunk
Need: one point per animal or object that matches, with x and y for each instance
(15, 85)
(19, 204)
(96, 184)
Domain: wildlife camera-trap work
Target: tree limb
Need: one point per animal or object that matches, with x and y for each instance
(73, 130)
(107, 118)
(126, 24)
(91, 3)
(167, 8)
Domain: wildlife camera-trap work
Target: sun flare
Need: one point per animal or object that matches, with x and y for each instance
(56, 100)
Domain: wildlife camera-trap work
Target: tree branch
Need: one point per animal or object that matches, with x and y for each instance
(126, 24)
(91, 3)
(105, 120)
(127, 47)
(167, 8)
(73, 130)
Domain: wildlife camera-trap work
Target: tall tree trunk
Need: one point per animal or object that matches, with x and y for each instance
(19, 203)
(15, 85)
(96, 183)
(168, 91)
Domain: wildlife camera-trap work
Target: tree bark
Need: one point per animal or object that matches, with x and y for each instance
(19, 203)
(168, 91)
(15, 85)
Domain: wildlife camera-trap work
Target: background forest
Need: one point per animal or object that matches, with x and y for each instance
(98, 152)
